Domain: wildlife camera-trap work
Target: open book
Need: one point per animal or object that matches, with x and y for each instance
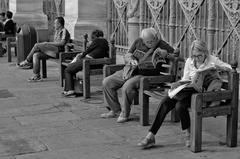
(196, 82)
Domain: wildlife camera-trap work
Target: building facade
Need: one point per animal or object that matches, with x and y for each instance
(177, 21)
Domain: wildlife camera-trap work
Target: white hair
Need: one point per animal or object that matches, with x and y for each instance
(149, 31)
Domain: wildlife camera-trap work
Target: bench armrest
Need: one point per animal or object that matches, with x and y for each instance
(11, 39)
(67, 55)
(212, 96)
(98, 61)
(110, 69)
(146, 81)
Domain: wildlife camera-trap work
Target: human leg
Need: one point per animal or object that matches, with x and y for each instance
(129, 91)
(182, 111)
(27, 63)
(164, 107)
(36, 66)
(110, 86)
(69, 73)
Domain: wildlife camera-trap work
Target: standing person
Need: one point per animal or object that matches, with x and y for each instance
(46, 50)
(199, 60)
(97, 49)
(149, 41)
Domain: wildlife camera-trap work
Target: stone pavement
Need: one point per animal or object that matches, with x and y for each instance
(36, 122)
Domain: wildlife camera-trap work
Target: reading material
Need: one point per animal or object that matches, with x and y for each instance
(151, 61)
(196, 83)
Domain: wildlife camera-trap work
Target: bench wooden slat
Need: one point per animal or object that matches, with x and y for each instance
(157, 94)
(216, 111)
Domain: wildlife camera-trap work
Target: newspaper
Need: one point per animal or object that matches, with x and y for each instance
(196, 83)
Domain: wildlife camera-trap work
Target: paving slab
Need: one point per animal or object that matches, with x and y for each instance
(44, 118)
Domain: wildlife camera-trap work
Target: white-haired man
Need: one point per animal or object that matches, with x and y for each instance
(149, 41)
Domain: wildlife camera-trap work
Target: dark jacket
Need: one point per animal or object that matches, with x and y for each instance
(9, 27)
(98, 49)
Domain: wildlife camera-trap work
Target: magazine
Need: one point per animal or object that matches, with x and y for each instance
(138, 54)
(151, 61)
(174, 91)
(196, 83)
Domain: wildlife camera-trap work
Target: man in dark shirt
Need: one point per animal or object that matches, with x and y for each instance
(148, 42)
(98, 49)
(9, 25)
(9, 29)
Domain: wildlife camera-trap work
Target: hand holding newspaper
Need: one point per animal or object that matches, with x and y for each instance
(196, 82)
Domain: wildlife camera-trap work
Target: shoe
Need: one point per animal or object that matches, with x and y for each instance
(35, 78)
(110, 114)
(122, 119)
(147, 142)
(25, 65)
(187, 143)
(187, 138)
(70, 93)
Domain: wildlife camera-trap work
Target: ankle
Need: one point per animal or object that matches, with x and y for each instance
(150, 135)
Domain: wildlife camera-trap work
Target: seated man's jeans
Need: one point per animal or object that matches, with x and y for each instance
(38, 52)
(42, 48)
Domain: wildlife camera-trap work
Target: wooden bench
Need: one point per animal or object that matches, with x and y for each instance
(72, 46)
(200, 109)
(86, 72)
(169, 72)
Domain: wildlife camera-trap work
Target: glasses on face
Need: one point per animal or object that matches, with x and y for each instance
(197, 56)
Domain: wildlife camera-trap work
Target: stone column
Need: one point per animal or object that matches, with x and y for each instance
(211, 24)
(133, 21)
(84, 16)
(30, 12)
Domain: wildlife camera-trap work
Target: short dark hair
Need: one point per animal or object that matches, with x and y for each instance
(61, 20)
(98, 33)
(9, 14)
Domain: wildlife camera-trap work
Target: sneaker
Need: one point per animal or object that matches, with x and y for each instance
(147, 142)
(25, 65)
(70, 93)
(122, 119)
(110, 114)
(35, 78)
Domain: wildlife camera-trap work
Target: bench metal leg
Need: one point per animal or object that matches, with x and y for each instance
(196, 124)
(9, 54)
(44, 68)
(144, 104)
(86, 79)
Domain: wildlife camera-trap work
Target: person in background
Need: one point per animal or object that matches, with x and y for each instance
(97, 49)
(45, 50)
(149, 41)
(9, 25)
(2, 20)
(200, 59)
(9, 28)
